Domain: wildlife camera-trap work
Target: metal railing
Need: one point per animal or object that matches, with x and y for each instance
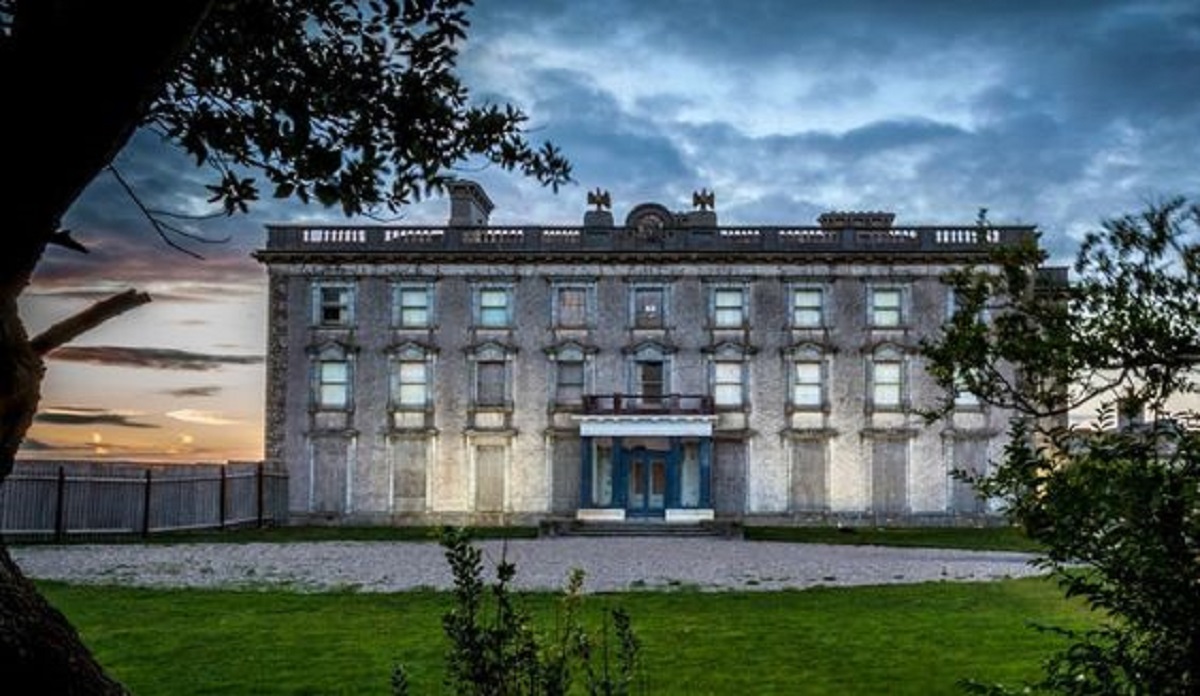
(62, 499)
(643, 404)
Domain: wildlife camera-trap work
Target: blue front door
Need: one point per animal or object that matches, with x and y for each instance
(647, 482)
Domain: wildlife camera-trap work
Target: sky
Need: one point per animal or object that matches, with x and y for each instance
(1057, 114)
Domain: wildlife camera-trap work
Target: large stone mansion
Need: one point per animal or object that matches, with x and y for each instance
(667, 368)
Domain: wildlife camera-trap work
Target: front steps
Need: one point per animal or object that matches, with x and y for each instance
(635, 527)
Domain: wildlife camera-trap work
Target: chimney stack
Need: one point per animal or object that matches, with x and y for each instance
(469, 204)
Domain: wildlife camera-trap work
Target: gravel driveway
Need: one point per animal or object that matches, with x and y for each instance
(610, 564)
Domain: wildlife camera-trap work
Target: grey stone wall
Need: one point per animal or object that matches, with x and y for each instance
(769, 458)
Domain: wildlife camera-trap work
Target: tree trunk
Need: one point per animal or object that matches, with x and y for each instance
(39, 648)
(78, 76)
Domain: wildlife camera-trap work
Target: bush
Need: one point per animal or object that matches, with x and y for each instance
(495, 651)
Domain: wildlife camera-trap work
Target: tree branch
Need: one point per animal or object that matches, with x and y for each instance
(68, 329)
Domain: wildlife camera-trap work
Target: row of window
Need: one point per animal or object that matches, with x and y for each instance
(573, 306)
(412, 378)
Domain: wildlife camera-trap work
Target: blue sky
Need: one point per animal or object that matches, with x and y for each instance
(1056, 114)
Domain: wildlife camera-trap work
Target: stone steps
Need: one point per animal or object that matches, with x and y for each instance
(640, 528)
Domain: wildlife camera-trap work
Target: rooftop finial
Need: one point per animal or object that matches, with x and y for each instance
(704, 199)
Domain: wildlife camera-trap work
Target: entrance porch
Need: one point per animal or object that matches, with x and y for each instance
(646, 462)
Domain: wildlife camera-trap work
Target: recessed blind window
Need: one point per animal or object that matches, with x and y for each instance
(648, 308)
(489, 383)
(572, 307)
(569, 389)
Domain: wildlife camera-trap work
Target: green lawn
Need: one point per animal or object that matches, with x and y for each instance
(907, 639)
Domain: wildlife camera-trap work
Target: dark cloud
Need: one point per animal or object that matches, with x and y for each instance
(199, 392)
(89, 416)
(157, 358)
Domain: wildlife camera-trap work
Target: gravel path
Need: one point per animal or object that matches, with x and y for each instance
(610, 564)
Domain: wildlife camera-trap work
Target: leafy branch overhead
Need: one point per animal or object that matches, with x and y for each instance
(1125, 324)
(347, 103)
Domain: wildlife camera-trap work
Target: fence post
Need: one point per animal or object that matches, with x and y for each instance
(259, 484)
(146, 507)
(224, 481)
(60, 512)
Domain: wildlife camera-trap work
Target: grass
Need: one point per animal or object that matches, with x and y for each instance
(904, 639)
(999, 538)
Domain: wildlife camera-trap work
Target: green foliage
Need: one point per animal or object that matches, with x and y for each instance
(348, 103)
(1116, 506)
(495, 651)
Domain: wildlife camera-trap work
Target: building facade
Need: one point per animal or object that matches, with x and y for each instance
(667, 368)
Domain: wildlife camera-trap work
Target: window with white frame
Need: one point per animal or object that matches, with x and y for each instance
(807, 375)
(808, 307)
(887, 379)
(571, 306)
(649, 307)
(493, 306)
(729, 383)
(954, 302)
(411, 378)
(887, 307)
(964, 398)
(410, 389)
(807, 384)
(333, 384)
(333, 304)
(413, 305)
(728, 307)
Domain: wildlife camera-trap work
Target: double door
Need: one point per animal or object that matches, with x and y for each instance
(646, 481)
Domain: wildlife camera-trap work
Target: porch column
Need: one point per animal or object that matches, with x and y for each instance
(674, 457)
(620, 497)
(585, 473)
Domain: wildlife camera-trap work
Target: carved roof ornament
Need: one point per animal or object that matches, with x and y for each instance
(704, 199)
(600, 199)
